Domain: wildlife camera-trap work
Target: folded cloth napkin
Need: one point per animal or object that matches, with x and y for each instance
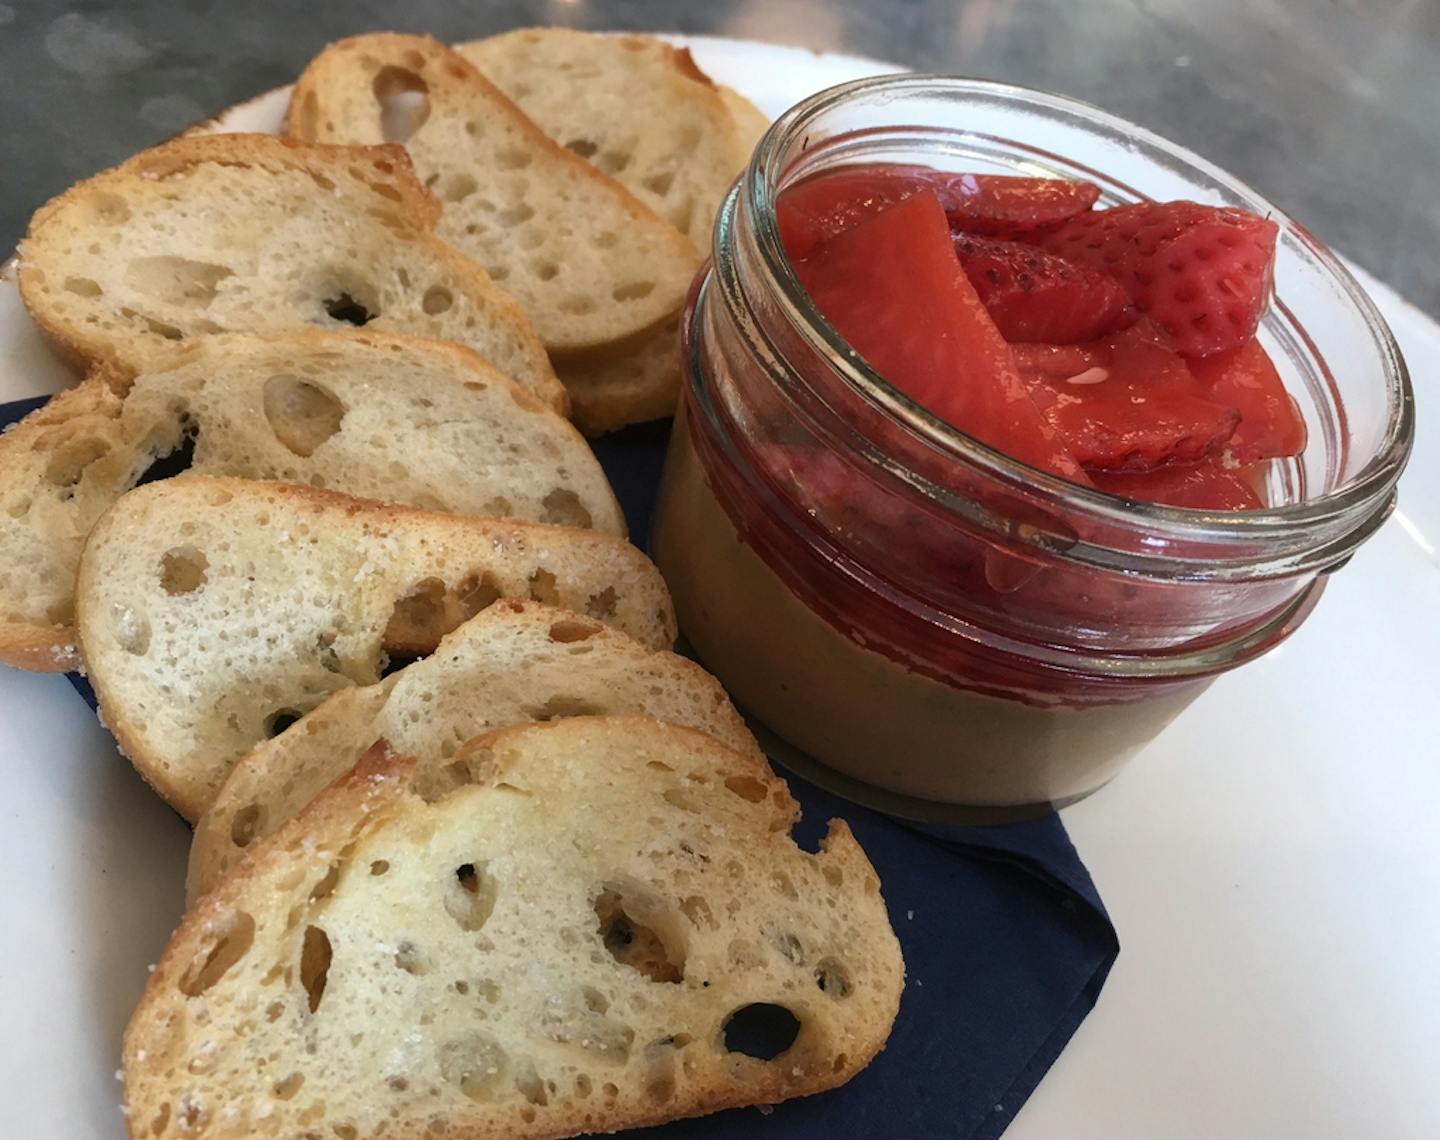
(1006, 941)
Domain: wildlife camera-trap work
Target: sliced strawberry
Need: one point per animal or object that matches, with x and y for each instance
(1270, 422)
(1038, 297)
(817, 208)
(1206, 486)
(1003, 204)
(1203, 272)
(1128, 403)
(893, 288)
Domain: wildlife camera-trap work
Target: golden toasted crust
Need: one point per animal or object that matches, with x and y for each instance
(38, 650)
(612, 392)
(266, 152)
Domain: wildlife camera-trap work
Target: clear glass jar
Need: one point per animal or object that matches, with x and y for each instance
(960, 635)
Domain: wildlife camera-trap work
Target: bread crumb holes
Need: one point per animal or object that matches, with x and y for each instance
(404, 102)
(228, 939)
(469, 896)
(761, 1030)
(182, 570)
(315, 958)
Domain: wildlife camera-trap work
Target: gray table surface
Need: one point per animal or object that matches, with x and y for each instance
(1331, 108)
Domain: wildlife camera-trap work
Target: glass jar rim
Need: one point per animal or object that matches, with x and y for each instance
(1363, 501)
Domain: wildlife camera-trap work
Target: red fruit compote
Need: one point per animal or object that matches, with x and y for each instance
(996, 447)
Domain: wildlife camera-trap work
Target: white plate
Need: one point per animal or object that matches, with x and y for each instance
(1272, 862)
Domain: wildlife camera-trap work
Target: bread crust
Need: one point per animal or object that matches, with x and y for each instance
(38, 650)
(640, 385)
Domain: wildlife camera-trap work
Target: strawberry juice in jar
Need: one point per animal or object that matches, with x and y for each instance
(928, 593)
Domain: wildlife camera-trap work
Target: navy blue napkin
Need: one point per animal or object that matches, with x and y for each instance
(1006, 941)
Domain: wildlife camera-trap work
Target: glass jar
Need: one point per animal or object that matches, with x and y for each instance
(921, 621)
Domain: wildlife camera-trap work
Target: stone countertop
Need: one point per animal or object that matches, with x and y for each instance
(1330, 108)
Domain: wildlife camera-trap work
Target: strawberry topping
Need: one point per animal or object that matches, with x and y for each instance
(817, 208)
(893, 288)
(1036, 296)
(1115, 347)
(1270, 422)
(1202, 272)
(1003, 204)
(1127, 403)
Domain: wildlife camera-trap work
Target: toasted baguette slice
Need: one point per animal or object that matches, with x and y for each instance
(418, 422)
(640, 384)
(636, 107)
(515, 662)
(58, 473)
(213, 611)
(589, 261)
(558, 945)
(250, 233)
